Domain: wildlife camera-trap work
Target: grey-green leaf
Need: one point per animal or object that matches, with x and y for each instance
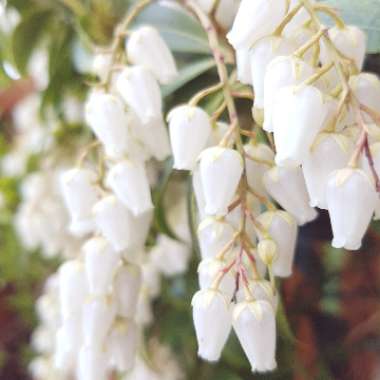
(188, 73)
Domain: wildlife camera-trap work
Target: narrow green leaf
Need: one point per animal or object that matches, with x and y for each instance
(181, 31)
(27, 35)
(187, 74)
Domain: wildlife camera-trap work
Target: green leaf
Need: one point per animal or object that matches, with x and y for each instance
(363, 13)
(27, 35)
(181, 31)
(187, 74)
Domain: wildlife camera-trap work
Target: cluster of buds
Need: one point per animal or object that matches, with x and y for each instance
(309, 93)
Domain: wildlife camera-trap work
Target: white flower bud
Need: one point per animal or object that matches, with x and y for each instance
(141, 226)
(92, 364)
(154, 135)
(80, 195)
(316, 168)
(129, 182)
(214, 235)
(262, 54)
(48, 310)
(98, 315)
(243, 64)
(107, 117)
(115, 222)
(366, 88)
(282, 72)
(170, 257)
(255, 326)
(221, 170)
(260, 160)
(190, 129)
(375, 151)
(267, 251)
(42, 339)
(287, 187)
(67, 346)
(72, 287)
(127, 286)
(122, 345)
(298, 116)
(351, 41)
(351, 200)
(147, 48)
(212, 321)
(101, 262)
(254, 20)
(218, 131)
(262, 290)
(209, 270)
(282, 228)
(141, 92)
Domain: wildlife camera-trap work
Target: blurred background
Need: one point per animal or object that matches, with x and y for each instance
(329, 322)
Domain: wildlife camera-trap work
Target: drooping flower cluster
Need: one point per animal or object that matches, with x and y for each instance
(309, 93)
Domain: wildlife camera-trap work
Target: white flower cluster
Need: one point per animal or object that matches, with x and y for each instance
(309, 93)
(105, 291)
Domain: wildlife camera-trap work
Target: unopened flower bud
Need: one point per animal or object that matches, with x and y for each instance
(267, 250)
(92, 364)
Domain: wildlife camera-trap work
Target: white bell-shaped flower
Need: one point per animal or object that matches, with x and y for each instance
(298, 116)
(122, 345)
(141, 92)
(208, 272)
(101, 262)
(141, 226)
(213, 236)
(221, 170)
(282, 228)
(72, 287)
(287, 187)
(80, 195)
(155, 137)
(199, 194)
(129, 182)
(225, 11)
(101, 65)
(262, 54)
(282, 72)
(218, 131)
(212, 322)
(147, 48)
(127, 286)
(375, 151)
(92, 364)
(106, 115)
(255, 326)
(190, 129)
(64, 355)
(254, 20)
(351, 200)
(170, 257)
(262, 290)
(115, 222)
(366, 88)
(351, 41)
(98, 315)
(243, 65)
(316, 168)
(260, 159)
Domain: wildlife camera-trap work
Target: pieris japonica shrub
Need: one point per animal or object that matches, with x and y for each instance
(312, 142)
